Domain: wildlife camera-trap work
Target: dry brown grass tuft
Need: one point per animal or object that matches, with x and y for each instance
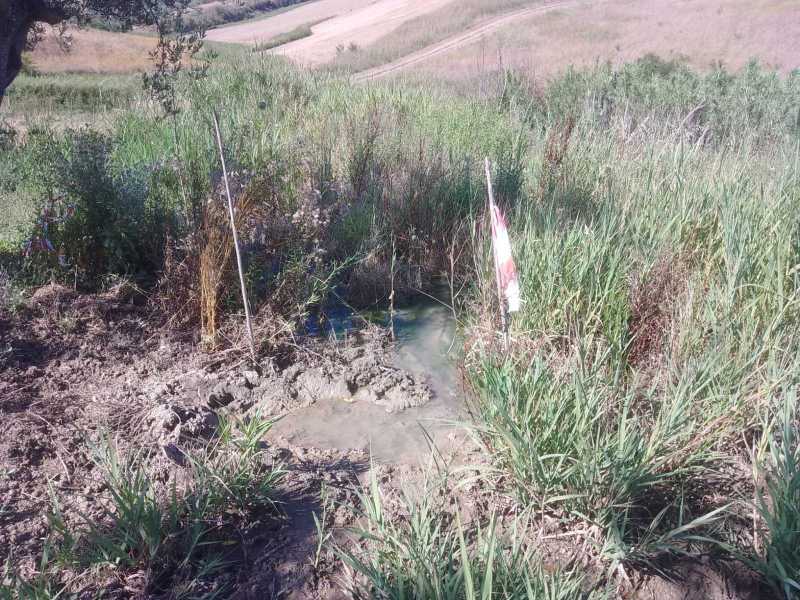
(196, 272)
(176, 293)
(555, 152)
(216, 248)
(653, 299)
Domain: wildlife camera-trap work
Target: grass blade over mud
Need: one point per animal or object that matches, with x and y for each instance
(176, 536)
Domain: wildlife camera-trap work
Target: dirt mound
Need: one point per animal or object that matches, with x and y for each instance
(360, 371)
(52, 293)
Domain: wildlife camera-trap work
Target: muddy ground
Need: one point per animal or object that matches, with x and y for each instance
(77, 369)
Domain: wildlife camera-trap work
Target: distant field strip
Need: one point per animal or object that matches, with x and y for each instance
(298, 33)
(274, 24)
(462, 39)
(359, 28)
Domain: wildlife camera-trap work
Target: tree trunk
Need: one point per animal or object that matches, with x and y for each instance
(16, 18)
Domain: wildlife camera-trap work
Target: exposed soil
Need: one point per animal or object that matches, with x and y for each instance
(76, 368)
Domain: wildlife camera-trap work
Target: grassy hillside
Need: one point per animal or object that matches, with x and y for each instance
(568, 34)
(648, 393)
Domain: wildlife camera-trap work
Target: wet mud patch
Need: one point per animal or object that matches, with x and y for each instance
(81, 370)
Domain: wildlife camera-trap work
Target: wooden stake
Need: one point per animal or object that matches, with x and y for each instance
(235, 241)
(500, 299)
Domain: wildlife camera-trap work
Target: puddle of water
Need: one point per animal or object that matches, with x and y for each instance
(426, 345)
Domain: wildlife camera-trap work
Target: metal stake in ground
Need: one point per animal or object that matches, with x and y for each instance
(500, 298)
(235, 240)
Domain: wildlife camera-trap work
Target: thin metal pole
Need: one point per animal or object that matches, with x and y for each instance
(235, 239)
(391, 295)
(501, 301)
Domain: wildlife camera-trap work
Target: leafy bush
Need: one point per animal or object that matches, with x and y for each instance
(96, 222)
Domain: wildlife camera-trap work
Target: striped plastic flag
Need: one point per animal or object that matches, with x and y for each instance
(505, 270)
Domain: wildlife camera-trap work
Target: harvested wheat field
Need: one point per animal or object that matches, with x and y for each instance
(335, 25)
(584, 33)
(271, 26)
(94, 51)
(359, 28)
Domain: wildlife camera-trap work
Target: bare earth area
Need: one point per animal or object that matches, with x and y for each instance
(75, 370)
(583, 33)
(267, 27)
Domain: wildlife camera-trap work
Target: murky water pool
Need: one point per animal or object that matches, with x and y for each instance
(426, 345)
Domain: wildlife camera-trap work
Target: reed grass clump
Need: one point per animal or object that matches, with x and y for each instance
(415, 544)
(778, 503)
(659, 278)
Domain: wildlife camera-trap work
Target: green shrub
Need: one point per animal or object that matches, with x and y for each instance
(98, 222)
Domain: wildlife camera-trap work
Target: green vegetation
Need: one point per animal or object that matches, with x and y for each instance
(432, 554)
(71, 92)
(779, 505)
(658, 256)
(656, 226)
(316, 155)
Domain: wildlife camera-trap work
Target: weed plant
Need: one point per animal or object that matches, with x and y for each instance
(177, 536)
(426, 551)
